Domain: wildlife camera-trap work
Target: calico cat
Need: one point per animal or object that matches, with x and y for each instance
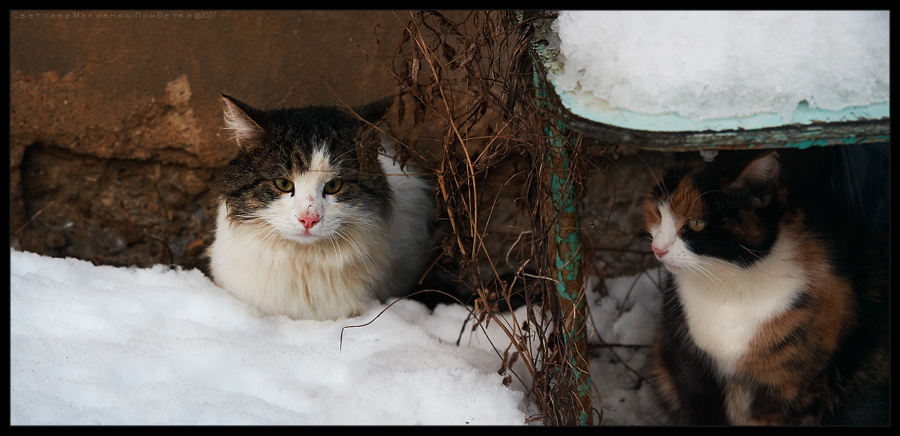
(774, 310)
(312, 222)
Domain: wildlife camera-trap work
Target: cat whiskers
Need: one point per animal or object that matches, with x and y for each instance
(703, 267)
(707, 192)
(259, 226)
(333, 238)
(350, 236)
(751, 251)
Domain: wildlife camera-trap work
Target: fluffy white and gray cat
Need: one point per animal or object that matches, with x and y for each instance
(312, 222)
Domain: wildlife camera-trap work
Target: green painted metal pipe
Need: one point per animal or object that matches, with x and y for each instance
(561, 209)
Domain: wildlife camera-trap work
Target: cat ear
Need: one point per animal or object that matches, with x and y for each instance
(763, 170)
(244, 129)
(369, 140)
(761, 176)
(374, 111)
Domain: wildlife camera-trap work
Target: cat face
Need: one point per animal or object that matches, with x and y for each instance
(705, 217)
(310, 206)
(303, 175)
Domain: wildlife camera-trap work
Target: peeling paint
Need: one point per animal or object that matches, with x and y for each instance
(566, 260)
(593, 117)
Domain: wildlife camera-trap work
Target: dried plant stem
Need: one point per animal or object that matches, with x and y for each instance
(480, 73)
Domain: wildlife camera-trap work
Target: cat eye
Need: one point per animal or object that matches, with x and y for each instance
(333, 186)
(283, 185)
(696, 224)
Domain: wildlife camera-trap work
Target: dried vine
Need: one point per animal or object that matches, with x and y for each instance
(471, 74)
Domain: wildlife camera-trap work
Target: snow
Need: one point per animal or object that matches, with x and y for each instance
(717, 64)
(110, 345)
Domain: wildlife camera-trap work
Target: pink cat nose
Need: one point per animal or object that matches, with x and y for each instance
(309, 221)
(659, 252)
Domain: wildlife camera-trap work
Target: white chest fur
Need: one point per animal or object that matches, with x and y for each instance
(330, 279)
(279, 276)
(726, 310)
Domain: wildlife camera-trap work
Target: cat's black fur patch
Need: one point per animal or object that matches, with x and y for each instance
(853, 385)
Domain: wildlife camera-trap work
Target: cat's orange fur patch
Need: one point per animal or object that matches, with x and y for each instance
(775, 358)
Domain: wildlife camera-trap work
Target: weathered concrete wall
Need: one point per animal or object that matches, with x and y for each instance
(115, 117)
(116, 127)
